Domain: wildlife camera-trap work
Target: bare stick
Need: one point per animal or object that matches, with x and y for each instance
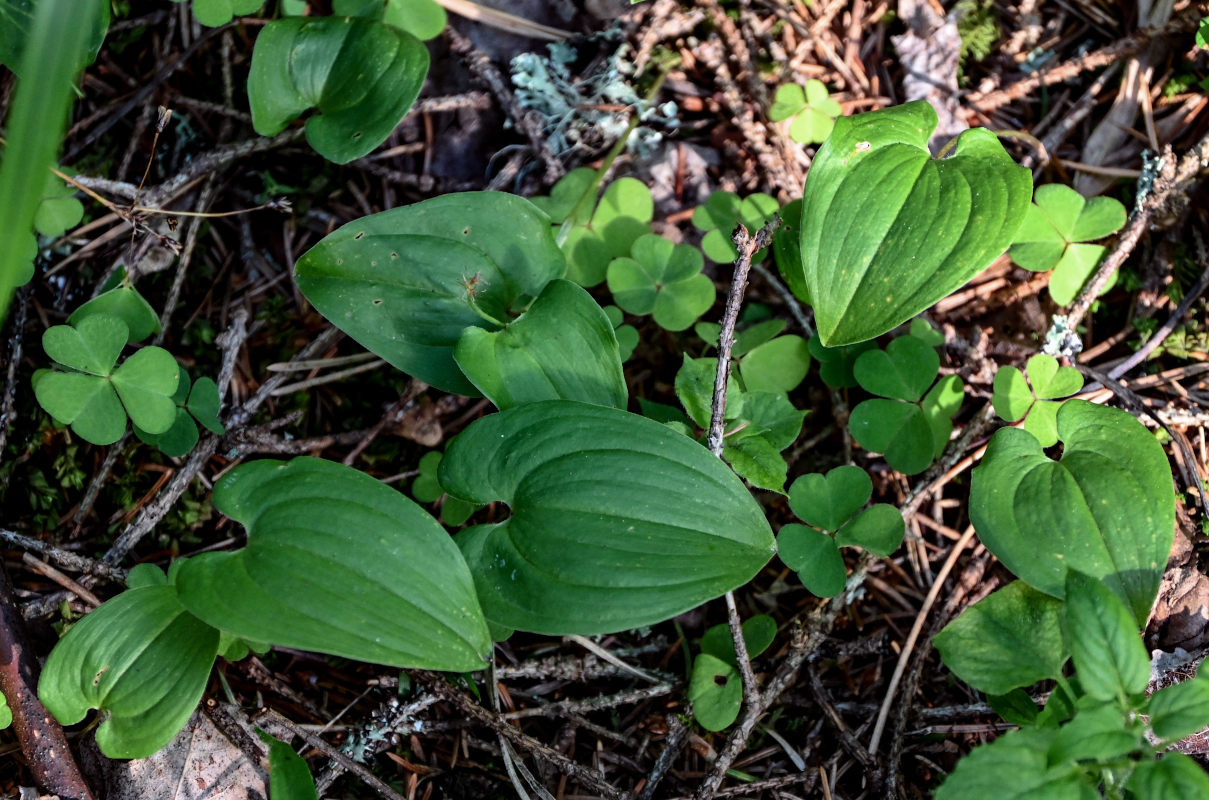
(64, 558)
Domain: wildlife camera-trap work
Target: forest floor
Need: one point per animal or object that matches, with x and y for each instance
(1088, 98)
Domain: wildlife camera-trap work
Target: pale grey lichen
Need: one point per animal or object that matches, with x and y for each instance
(587, 113)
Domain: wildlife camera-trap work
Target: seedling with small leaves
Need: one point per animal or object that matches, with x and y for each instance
(1057, 233)
(95, 398)
(662, 279)
(830, 505)
(811, 110)
(1038, 396)
(722, 212)
(715, 689)
(910, 428)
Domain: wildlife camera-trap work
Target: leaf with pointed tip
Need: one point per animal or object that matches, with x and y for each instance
(695, 388)
(1105, 646)
(1173, 777)
(1180, 710)
(756, 461)
(888, 230)
(338, 563)
(617, 520)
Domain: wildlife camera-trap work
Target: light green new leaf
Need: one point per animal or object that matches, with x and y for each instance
(887, 230)
(1010, 639)
(1179, 710)
(879, 529)
(662, 279)
(1107, 509)
(815, 557)
(903, 371)
(563, 347)
(719, 216)
(828, 501)
(338, 563)
(1105, 646)
(142, 659)
(1016, 767)
(617, 521)
(400, 282)
(812, 110)
(1011, 396)
(213, 13)
(6, 713)
(1175, 776)
(125, 303)
(776, 366)
(1051, 381)
(716, 692)
(939, 405)
(361, 75)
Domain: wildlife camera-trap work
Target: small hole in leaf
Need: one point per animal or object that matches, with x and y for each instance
(357, 135)
(465, 231)
(360, 235)
(377, 301)
(394, 255)
(721, 680)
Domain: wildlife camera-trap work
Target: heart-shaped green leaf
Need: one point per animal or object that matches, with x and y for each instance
(1107, 509)
(1051, 381)
(888, 230)
(814, 556)
(563, 347)
(402, 282)
(812, 110)
(776, 366)
(213, 13)
(142, 659)
(1008, 639)
(758, 633)
(338, 563)
(903, 371)
(880, 530)
(362, 75)
(126, 303)
(617, 520)
(87, 402)
(204, 404)
(662, 279)
(618, 221)
(146, 382)
(716, 692)
(828, 501)
(93, 345)
(59, 210)
(719, 216)
(175, 442)
(1011, 396)
(899, 431)
(939, 405)
(423, 19)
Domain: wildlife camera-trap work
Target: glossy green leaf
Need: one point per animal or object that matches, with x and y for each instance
(758, 633)
(338, 563)
(1173, 777)
(126, 304)
(716, 692)
(776, 366)
(719, 216)
(815, 557)
(1180, 710)
(756, 460)
(695, 388)
(1015, 767)
(361, 75)
(787, 250)
(774, 417)
(879, 529)
(617, 521)
(888, 230)
(289, 776)
(400, 282)
(900, 431)
(903, 371)
(662, 279)
(1106, 509)
(828, 501)
(563, 347)
(142, 659)
(836, 363)
(1009, 639)
(1105, 644)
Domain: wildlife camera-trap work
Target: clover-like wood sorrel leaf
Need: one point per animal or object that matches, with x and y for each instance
(142, 659)
(400, 282)
(716, 692)
(887, 230)
(360, 74)
(1009, 639)
(617, 521)
(563, 347)
(124, 302)
(1107, 509)
(828, 501)
(338, 563)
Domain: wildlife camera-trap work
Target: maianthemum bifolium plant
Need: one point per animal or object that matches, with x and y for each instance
(617, 520)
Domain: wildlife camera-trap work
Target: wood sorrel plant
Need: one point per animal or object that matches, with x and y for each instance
(617, 520)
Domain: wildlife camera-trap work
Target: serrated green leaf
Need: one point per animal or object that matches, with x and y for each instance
(1173, 777)
(361, 75)
(757, 461)
(1015, 767)
(617, 521)
(774, 416)
(1016, 707)
(142, 659)
(880, 530)
(716, 692)
(903, 371)
(828, 501)
(127, 304)
(338, 563)
(888, 230)
(1179, 710)
(1095, 734)
(1009, 639)
(399, 282)
(1105, 645)
(815, 557)
(695, 388)
(563, 347)
(776, 366)
(1106, 509)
